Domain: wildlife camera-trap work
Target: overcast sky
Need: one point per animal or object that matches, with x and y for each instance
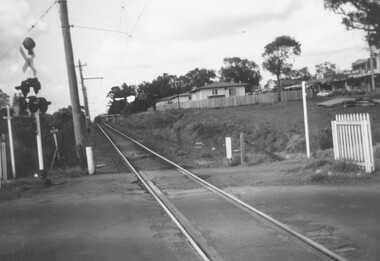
(163, 36)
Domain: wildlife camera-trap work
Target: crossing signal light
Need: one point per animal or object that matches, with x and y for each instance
(33, 104)
(38, 103)
(3, 112)
(43, 104)
(23, 104)
(27, 84)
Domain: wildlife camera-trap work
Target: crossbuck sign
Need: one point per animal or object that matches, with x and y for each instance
(28, 62)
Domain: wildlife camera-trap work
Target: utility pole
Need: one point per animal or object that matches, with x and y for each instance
(73, 84)
(85, 101)
(84, 90)
(371, 56)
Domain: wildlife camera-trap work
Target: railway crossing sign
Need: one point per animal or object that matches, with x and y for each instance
(28, 62)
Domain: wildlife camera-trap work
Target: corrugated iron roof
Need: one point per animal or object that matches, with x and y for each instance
(220, 85)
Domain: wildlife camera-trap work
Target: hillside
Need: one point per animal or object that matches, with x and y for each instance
(196, 137)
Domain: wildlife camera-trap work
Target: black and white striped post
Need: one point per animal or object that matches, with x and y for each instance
(10, 134)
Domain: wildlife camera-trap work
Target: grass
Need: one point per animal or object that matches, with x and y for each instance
(278, 128)
(323, 169)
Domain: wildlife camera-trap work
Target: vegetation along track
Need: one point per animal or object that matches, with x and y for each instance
(218, 225)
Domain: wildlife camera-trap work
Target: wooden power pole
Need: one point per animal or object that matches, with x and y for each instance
(73, 84)
(84, 90)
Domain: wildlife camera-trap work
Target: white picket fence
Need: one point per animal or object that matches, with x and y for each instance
(352, 139)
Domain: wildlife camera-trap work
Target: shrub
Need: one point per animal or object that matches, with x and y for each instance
(345, 166)
(321, 177)
(317, 163)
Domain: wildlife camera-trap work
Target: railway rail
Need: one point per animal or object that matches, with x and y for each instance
(204, 227)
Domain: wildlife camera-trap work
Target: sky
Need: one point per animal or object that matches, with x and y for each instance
(152, 37)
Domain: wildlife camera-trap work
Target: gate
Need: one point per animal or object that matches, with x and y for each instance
(352, 139)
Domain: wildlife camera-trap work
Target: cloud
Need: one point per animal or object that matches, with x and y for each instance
(15, 22)
(220, 20)
(12, 23)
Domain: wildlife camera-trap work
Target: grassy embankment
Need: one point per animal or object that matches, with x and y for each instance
(277, 128)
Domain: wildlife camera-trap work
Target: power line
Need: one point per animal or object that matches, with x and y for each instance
(130, 36)
(100, 29)
(30, 29)
(138, 18)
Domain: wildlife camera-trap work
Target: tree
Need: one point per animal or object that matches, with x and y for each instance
(4, 98)
(325, 67)
(277, 55)
(128, 90)
(240, 71)
(359, 14)
(198, 77)
(302, 73)
(115, 93)
(119, 95)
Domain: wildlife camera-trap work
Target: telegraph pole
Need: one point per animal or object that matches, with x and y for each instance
(371, 56)
(73, 84)
(84, 90)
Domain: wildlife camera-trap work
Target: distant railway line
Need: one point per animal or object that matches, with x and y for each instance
(218, 225)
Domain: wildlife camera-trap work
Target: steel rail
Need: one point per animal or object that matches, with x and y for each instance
(266, 217)
(157, 198)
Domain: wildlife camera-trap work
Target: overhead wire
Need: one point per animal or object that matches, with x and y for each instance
(100, 29)
(138, 18)
(130, 37)
(30, 29)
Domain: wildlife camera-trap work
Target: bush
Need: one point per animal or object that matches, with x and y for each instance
(25, 145)
(345, 166)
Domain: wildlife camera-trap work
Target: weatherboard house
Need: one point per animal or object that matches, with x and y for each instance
(209, 91)
(218, 90)
(183, 97)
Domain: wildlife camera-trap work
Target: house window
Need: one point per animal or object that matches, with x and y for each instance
(232, 92)
(214, 91)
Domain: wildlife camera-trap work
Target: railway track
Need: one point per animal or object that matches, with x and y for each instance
(218, 225)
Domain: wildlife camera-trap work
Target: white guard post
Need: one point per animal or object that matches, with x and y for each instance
(229, 148)
(305, 119)
(90, 161)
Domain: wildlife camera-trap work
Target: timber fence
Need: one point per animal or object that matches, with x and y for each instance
(269, 97)
(352, 139)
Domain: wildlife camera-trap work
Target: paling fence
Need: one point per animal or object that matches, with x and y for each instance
(352, 139)
(269, 97)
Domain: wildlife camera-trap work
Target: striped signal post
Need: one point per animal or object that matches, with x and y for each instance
(3, 160)
(9, 118)
(29, 44)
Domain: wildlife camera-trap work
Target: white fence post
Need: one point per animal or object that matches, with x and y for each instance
(306, 122)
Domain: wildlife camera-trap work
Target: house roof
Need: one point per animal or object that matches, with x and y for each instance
(220, 85)
(175, 96)
(360, 61)
(166, 98)
(184, 94)
(290, 82)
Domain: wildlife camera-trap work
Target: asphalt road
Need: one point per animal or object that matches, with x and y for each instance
(109, 217)
(105, 217)
(343, 218)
